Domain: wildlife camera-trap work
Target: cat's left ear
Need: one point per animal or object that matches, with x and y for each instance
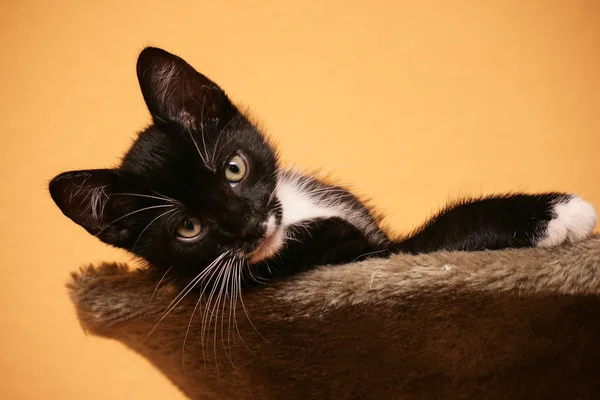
(86, 197)
(175, 92)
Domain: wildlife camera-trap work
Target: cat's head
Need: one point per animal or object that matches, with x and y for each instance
(198, 184)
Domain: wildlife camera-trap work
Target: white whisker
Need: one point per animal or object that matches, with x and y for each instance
(370, 253)
(256, 278)
(187, 331)
(232, 300)
(165, 196)
(165, 199)
(155, 289)
(210, 310)
(218, 302)
(219, 137)
(202, 129)
(148, 226)
(190, 286)
(131, 213)
(224, 145)
(238, 292)
(228, 293)
(208, 281)
(197, 148)
(239, 282)
(207, 310)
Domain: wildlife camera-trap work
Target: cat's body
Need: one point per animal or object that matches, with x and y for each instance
(201, 194)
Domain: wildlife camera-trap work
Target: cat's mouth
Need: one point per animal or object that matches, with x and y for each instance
(271, 242)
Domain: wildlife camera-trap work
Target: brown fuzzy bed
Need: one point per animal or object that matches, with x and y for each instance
(498, 324)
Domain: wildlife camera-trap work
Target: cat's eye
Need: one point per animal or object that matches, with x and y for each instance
(235, 169)
(189, 228)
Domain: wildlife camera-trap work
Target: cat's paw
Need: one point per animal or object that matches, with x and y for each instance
(108, 294)
(574, 219)
(89, 274)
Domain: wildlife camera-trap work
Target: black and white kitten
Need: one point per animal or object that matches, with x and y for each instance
(200, 192)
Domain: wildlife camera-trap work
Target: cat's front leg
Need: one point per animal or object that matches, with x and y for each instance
(497, 222)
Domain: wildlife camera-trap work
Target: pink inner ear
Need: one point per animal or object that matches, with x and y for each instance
(187, 121)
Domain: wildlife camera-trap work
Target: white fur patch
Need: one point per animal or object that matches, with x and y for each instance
(298, 205)
(301, 200)
(575, 219)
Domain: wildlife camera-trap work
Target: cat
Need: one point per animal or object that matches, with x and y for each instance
(201, 193)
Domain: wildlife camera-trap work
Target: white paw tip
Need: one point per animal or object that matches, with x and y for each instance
(575, 219)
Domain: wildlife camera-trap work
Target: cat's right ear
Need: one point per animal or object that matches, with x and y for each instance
(175, 92)
(86, 197)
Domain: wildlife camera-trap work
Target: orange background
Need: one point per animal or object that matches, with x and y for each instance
(411, 102)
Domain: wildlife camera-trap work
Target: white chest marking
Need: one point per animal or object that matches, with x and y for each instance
(298, 205)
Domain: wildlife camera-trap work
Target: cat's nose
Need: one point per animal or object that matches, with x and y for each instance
(251, 227)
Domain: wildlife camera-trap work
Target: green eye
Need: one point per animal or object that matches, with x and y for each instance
(235, 169)
(189, 228)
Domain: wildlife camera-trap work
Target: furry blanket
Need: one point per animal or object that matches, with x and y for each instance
(498, 324)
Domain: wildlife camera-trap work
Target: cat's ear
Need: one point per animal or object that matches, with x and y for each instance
(86, 198)
(175, 92)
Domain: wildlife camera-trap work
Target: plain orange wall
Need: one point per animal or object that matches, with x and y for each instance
(410, 102)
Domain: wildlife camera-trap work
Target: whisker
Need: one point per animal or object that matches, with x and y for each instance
(165, 199)
(131, 213)
(256, 278)
(155, 289)
(269, 268)
(239, 282)
(187, 331)
(232, 300)
(182, 295)
(148, 226)
(207, 310)
(370, 253)
(225, 144)
(293, 239)
(204, 160)
(226, 280)
(165, 196)
(197, 148)
(208, 280)
(238, 293)
(211, 310)
(219, 137)
(170, 219)
(199, 277)
(202, 125)
(218, 302)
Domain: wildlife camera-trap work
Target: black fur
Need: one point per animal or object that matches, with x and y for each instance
(174, 170)
(489, 223)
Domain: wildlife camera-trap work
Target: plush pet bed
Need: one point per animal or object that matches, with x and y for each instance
(498, 324)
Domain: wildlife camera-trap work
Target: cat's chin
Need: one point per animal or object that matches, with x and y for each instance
(271, 243)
